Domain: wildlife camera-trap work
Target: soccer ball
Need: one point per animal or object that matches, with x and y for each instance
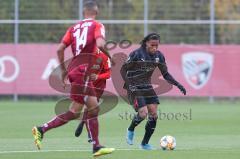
(168, 142)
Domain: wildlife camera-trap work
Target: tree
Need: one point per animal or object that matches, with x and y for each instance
(228, 10)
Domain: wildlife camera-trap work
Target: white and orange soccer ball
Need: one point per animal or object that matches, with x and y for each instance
(168, 142)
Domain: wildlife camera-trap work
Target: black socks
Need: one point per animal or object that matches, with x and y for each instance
(136, 120)
(149, 129)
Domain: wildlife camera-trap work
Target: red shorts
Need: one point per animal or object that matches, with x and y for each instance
(80, 87)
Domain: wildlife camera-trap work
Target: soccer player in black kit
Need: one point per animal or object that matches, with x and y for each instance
(137, 72)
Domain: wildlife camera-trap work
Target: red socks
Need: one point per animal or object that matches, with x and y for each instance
(59, 120)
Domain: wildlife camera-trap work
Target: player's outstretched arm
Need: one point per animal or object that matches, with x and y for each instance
(168, 77)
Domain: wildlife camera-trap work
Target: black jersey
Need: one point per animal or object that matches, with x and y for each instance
(140, 65)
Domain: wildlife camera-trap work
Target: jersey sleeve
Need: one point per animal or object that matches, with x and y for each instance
(106, 69)
(67, 39)
(99, 31)
(126, 66)
(131, 57)
(107, 64)
(162, 64)
(105, 75)
(164, 70)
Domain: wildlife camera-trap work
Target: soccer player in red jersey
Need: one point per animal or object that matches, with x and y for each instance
(86, 38)
(100, 84)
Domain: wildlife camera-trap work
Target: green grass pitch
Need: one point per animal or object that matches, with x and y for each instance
(202, 130)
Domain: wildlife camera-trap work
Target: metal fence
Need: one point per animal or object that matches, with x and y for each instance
(178, 21)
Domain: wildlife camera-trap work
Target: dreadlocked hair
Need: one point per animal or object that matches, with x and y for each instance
(151, 36)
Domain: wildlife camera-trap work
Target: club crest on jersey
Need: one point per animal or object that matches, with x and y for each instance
(99, 60)
(197, 68)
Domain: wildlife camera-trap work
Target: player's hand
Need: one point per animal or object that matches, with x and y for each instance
(182, 89)
(93, 77)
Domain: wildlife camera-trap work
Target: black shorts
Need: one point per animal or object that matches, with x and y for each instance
(139, 99)
(140, 102)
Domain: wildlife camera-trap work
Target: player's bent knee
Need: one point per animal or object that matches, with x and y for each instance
(75, 110)
(76, 107)
(153, 116)
(143, 115)
(93, 112)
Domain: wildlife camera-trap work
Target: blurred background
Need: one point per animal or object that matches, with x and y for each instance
(199, 38)
(188, 21)
(30, 30)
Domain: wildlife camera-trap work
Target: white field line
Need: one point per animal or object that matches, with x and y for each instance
(41, 151)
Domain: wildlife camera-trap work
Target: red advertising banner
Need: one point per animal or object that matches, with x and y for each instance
(204, 70)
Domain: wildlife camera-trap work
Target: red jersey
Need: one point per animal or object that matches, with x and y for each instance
(104, 71)
(101, 67)
(82, 36)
